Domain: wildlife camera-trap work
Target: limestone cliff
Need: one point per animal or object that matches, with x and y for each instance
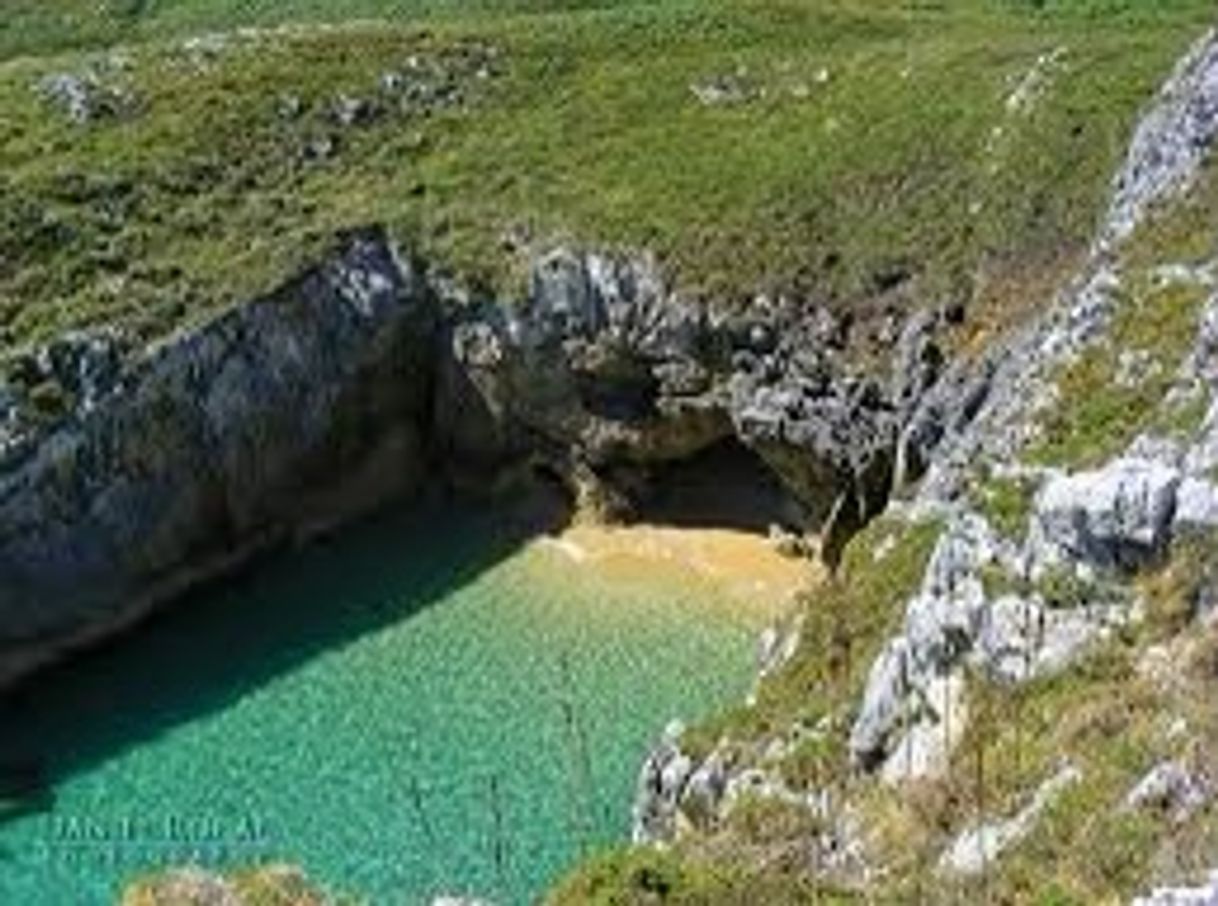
(1024, 518)
(282, 416)
(1016, 709)
(353, 382)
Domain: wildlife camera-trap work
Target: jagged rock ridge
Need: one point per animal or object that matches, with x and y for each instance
(982, 605)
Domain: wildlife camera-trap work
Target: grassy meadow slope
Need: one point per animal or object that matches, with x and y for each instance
(857, 151)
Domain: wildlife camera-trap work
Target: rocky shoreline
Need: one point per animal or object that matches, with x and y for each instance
(368, 377)
(130, 475)
(286, 415)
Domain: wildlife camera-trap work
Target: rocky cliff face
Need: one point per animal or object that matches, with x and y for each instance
(1070, 507)
(290, 412)
(603, 371)
(345, 386)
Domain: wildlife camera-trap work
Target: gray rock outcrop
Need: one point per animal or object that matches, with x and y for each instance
(1083, 526)
(602, 369)
(296, 410)
(1119, 516)
(87, 96)
(332, 394)
(1170, 142)
(661, 783)
(1171, 789)
(942, 622)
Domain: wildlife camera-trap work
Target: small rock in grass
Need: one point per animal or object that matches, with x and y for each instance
(289, 107)
(351, 111)
(723, 90)
(1172, 789)
(84, 98)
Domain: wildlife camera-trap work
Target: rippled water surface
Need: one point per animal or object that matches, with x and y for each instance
(424, 703)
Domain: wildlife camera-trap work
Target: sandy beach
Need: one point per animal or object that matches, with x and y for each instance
(745, 566)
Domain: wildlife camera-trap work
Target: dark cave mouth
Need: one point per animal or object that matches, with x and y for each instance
(725, 485)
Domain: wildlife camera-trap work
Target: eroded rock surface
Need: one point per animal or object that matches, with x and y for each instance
(1170, 142)
(156, 468)
(606, 371)
(1117, 516)
(296, 410)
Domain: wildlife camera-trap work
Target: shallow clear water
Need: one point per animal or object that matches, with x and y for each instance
(420, 704)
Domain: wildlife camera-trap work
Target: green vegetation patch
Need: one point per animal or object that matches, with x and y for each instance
(1140, 699)
(635, 877)
(1006, 503)
(843, 151)
(1114, 390)
(1103, 719)
(1185, 234)
(1105, 403)
(846, 621)
(1177, 591)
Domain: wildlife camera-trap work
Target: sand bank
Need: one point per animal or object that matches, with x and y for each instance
(746, 567)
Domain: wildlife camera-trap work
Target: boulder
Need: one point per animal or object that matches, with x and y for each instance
(84, 97)
(661, 783)
(706, 787)
(1022, 638)
(924, 751)
(1010, 638)
(884, 705)
(1196, 506)
(1119, 516)
(1171, 789)
(942, 620)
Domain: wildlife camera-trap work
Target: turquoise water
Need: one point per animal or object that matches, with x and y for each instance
(421, 704)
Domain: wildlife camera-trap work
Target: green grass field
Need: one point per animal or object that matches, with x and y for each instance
(35, 26)
(872, 146)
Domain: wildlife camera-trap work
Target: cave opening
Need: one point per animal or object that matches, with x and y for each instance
(726, 485)
(628, 396)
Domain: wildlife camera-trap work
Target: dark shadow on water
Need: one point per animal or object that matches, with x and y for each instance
(25, 788)
(207, 650)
